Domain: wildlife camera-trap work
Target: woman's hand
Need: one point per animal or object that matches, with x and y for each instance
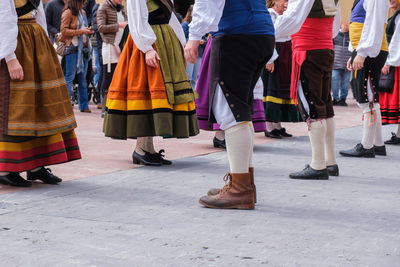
(349, 66)
(385, 70)
(86, 30)
(152, 58)
(358, 62)
(15, 70)
(270, 67)
(192, 51)
(122, 25)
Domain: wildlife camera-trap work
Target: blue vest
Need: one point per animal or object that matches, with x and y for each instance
(249, 17)
(358, 13)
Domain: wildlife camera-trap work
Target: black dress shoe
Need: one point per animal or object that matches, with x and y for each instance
(273, 134)
(219, 143)
(394, 140)
(358, 151)
(380, 150)
(336, 102)
(14, 179)
(45, 175)
(343, 103)
(282, 132)
(146, 159)
(309, 173)
(333, 170)
(160, 157)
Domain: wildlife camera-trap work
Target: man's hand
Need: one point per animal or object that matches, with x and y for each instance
(358, 62)
(270, 67)
(385, 70)
(192, 51)
(152, 58)
(15, 70)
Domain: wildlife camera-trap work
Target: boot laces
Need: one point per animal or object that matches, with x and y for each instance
(228, 182)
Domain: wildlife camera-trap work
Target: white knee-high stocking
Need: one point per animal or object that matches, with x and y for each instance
(368, 130)
(330, 151)
(378, 139)
(317, 136)
(239, 140)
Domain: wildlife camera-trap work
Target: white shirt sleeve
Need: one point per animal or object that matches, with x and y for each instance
(177, 27)
(336, 23)
(139, 27)
(372, 34)
(394, 47)
(293, 18)
(274, 57)
(206, 16)
(41, 17)
(8, 29)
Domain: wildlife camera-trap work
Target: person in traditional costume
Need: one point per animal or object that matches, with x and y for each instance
(390, 101)
(243, 44)
(202, 103)
(312, 24)
(150, 93)
(279, 107)
(369, 45)
(37, 122)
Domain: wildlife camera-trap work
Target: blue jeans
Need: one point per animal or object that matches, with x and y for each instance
(71, 61)
(98, 66)
(340, 80)
(193, 71)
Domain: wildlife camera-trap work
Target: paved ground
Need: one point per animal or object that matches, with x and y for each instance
(150, 216)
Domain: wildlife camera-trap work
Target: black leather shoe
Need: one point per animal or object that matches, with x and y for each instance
(160, 157)
(14, 179)
(358, 151)
(333, 170)
(342, 102)
(394, 140)
(147, 159)
(335, 102)
(273, 134)
(219, 143)
(380, 150)
(309, 173)
(45, 175)
(282, 132)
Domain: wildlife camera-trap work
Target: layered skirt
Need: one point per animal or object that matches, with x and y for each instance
(37, 121)
(390, 102)
(279, 107)
(144, 101)
(202, 103)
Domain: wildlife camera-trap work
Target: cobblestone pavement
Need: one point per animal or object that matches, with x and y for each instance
(151, 217)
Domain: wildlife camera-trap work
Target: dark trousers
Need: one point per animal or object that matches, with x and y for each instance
(106, 81)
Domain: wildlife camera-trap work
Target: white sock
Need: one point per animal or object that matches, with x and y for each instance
(368, 130)
(252, 146)
(239, 139)
(220, 135)
(270, 126)
(36, 169)
(4, 173)
(398, 131)
(277, 125)
(330, 151)
(317, 136)
(378, 139)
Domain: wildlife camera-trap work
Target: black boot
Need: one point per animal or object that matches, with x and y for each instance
(14, 179)
(394, 140)
(308, 173)
(160, 157)
(358, 151)
(147, 159)
(333, 170)
(380, 150)
(219, 143)
(45, 175)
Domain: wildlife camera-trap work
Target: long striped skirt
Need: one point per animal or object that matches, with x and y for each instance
(36, 122)
(144, 101)
(390, 102)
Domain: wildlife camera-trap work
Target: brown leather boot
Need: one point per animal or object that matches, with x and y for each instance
(215, 191)
(237, 194)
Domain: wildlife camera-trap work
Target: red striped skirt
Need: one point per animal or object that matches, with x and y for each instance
(390, 102)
